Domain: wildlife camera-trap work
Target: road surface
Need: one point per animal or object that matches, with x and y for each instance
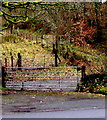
(89, 113)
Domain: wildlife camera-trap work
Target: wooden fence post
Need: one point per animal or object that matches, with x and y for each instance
(56, 56)
(83, 72)
(56, 50)
(5, 62)
(19, 61)
(53, 51)
(3, 77)
(57, 39)
(12, 62)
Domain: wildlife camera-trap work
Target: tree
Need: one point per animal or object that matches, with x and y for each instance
(20, 12)
(10, 15)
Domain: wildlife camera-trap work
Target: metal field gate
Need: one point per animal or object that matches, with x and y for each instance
(42, 78)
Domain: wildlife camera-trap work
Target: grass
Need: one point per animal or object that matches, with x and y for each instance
(58, 93)
(3, 88)
(94, 59)
(24, 47)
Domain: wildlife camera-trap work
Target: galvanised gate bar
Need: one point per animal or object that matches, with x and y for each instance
(41, 78)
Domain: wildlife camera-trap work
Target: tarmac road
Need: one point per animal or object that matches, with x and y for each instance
(52, 107)
(90, 113)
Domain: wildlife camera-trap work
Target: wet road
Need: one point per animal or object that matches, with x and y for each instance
(22, 106)
(91, 113)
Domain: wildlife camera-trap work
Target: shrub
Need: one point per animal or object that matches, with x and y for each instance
(102, 90)
(93, 83)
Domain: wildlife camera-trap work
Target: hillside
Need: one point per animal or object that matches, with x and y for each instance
(83, 40)
(70, 55)
(25, 47)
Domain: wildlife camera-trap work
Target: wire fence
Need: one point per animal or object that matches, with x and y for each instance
(38, 60)
(45, 40)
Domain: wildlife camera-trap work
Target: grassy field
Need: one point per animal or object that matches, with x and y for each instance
(94, 58)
